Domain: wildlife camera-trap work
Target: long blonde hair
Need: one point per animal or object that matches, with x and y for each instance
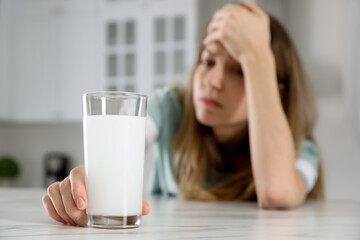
(197, 156)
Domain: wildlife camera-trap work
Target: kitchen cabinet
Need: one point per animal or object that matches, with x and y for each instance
(50, 56)
(53, 51)
(148, 43)
(4, 111)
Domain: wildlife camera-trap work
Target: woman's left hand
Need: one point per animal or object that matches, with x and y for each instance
(242, 29)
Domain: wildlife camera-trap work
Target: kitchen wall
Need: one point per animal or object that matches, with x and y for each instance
(318, 28)
(339, 141)
(30, 142)
(3, 141)
(3, 66)
(318, 34)
(323, 31)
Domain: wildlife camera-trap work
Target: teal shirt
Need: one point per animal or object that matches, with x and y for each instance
(165, 111)
(164, 116)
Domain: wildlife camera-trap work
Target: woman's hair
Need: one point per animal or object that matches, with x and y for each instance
(197, 155)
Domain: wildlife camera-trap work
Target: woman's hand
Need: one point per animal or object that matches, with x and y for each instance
(242, 29)
(66, 201)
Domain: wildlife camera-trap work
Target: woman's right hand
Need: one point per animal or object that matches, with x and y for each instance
(66, 201)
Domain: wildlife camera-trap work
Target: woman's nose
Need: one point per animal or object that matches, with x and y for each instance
(216, 78)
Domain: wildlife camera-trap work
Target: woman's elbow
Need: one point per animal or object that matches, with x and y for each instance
(278, 198)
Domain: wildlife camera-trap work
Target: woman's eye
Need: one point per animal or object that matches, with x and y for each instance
(207, 63)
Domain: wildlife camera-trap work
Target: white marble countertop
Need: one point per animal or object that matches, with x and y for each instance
(23, 217)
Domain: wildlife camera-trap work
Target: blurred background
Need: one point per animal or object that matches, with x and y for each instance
(52, 51)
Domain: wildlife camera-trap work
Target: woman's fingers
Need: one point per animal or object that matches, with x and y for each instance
(223, 19)
(214, 25)
(78, 187)
(216, 35)
(146, 208)
(220, 14)
(51, 210)
(229, 7)
(253, 7)
(79, 216)
(66, 201)
(56, 200)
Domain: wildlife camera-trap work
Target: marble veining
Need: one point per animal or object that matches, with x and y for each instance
(23, 217)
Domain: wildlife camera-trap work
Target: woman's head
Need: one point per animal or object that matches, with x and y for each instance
(218, 88)
(216, 97)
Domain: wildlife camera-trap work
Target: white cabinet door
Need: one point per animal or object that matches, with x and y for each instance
(52, 57)
(122, 26)
(4, 80)
(57, 50)
(79, 59)
(164, 38)
(31, 57)
(172, 40)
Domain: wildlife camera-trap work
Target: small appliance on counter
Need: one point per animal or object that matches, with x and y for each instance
(56, 167)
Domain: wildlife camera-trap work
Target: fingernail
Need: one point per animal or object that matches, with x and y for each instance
(80, 203)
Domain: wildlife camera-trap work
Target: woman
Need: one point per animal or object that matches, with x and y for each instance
(243, 130)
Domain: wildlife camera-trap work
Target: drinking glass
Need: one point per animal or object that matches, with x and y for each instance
(114, 147)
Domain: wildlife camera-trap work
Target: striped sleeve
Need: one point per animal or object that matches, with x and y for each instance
(308, 164)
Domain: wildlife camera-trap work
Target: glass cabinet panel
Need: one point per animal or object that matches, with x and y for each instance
(130, 37)
(179, 61)
(160, 63)
(179, 29)
(130, 64)
(112, 33)
(112, 88)
(160, 30)
(129, 87)
(112, 65)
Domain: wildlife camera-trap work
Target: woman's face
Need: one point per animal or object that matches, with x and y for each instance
(218, 89)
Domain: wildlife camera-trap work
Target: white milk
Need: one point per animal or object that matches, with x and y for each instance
(114, 164)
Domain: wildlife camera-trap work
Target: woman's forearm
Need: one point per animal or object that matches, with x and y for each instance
(278, 185)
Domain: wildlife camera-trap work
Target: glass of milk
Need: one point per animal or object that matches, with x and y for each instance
(114, 147)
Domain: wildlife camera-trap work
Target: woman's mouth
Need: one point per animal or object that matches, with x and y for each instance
(209, 102)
